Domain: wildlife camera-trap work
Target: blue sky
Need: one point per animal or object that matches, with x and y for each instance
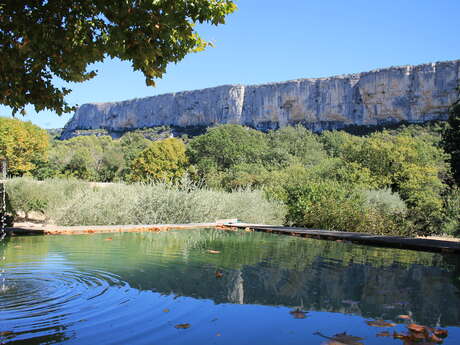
(273, 40)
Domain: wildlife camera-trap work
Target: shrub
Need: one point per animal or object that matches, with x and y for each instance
(332, 206)
(76, 203)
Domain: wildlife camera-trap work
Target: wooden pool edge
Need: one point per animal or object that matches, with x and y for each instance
(102, 229)
(420, 244)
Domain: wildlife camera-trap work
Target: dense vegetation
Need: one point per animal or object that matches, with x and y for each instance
(43, 41)
(399, 181)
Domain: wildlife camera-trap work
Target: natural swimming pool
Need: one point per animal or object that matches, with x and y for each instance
(209, 286)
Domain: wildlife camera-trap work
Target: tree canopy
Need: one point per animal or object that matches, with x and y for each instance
(451, 140)
(44, 39)
(23, 144)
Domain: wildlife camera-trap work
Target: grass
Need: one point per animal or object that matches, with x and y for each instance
(70, 202)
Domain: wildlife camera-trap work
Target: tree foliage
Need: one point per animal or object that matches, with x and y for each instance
(42, 39)
(23, 144)
(451, 140)
(163, 161)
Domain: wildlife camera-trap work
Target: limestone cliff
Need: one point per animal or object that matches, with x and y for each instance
(409, 93)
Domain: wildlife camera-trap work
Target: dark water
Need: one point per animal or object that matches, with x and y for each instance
(135, 288)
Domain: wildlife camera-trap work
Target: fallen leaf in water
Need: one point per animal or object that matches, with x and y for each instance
(5, 333)
(17, 247)
(212, 251)
(344, 338)
(341, 339)
(434, 339)
(298, 313)
(380, 323)
(182, 326)
(384, 334)
(219, 274)
(416, 328)
(166, 310)
(218, 334)
(109, 239)
(405, 317)
(441, 333)
(397, 335)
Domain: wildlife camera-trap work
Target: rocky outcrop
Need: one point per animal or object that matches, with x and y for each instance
(409, 93)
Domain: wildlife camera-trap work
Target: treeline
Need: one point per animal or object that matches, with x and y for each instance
(389, 182)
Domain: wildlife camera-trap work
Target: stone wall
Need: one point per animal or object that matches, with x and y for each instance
(409, 93)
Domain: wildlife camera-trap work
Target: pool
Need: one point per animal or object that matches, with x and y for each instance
(208, 286)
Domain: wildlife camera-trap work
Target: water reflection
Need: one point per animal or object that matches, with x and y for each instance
(94, 277)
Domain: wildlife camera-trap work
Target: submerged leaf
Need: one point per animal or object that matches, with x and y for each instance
(442, 333)
(182, 326)
(219, 274)
(380, 323)
(416, 328)
(298, 313)
(341, 339)
(383, 334)
(405, 317)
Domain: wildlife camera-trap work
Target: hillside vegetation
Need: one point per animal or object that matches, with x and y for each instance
(397, 181)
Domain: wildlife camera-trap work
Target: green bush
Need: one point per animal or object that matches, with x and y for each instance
(77, 203)
(332, 206)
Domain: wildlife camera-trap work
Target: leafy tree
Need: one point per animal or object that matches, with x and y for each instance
(45, 39)
(163, 160)
(23, 144)
(227, 145)
(451, 140)
(296, 144)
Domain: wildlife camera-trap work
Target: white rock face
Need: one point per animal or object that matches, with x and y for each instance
(408, 93)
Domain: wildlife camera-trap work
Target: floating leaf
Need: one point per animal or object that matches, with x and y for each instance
(380, 323)
(341, 339)
(346, 339)
(219, 274)
(182, 326)
(109, 239)
(166, 310)
(298, 313)
(405, 317)
(416, 328)
(433, 338)
(442, 333)
(384, 334)
(212, 251)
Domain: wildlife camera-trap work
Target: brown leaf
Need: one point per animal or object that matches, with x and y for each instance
(402, 336)
(405, 317)
(384, 334)
(380, 323)
(441, 333)
(212, 251)
(219, 274)
(5, 333)
(345, 339)
(298, 313)
(435, 339)
(165, 310)
(182, 326)
(109, 239)
(416, 328)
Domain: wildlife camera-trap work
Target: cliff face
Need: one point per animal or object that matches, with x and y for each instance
(408, 93)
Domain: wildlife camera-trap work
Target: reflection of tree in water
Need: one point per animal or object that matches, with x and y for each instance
(56, 335)
(277, 270)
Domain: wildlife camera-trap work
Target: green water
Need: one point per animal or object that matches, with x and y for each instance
(134, 288)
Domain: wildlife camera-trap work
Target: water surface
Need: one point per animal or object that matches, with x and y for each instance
(135, 288)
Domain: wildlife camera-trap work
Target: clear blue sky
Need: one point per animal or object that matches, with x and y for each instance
(273, 40)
